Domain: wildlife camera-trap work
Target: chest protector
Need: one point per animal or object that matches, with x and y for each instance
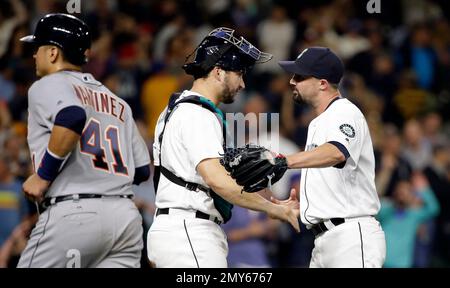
(221, 204)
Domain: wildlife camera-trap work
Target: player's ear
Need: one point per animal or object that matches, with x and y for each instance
(53, 53)
(323, 84)
(217, 73)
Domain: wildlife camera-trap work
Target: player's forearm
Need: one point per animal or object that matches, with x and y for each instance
(227, 188)
(220, 182)
(326, 155)
(62, 141)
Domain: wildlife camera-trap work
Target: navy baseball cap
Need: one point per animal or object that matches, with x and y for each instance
(318, 62)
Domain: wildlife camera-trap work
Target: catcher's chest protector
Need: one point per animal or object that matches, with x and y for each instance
(221, 205)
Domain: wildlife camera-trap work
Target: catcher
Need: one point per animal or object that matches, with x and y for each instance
(194, 193)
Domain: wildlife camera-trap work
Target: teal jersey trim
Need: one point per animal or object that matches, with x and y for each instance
(218, 111)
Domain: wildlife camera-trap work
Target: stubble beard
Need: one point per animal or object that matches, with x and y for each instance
(228, 95)
(298, 98)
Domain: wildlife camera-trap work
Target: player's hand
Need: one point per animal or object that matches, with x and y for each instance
(34, 188)
(291, 202)
(286, 213)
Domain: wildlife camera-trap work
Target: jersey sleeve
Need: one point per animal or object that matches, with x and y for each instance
(202, 136)
(346, 133)
(140, 151)
(51, 94)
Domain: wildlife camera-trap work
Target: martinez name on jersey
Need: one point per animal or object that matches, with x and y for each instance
(100, 102)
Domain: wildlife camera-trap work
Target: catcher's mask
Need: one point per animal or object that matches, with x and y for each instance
(221, 48)
(65, 31)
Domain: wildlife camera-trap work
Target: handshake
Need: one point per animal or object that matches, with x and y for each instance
(254, 167)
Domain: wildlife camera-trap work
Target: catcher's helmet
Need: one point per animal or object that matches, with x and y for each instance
(65, 31)
(221, 48)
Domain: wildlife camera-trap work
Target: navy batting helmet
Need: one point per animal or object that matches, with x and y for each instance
(221, 48)
(65, 31)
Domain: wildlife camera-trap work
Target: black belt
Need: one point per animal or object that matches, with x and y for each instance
(320, 227)
(198, 214)
(50, 201)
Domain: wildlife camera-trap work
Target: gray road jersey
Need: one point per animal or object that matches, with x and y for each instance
(110, 147)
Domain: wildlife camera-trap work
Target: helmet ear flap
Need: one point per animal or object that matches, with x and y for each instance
(195, 70)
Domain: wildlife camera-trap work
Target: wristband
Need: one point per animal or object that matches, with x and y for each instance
(49, 167)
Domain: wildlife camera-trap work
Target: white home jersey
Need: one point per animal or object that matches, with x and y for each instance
(104, 161)
(192, 134)
(340, 192)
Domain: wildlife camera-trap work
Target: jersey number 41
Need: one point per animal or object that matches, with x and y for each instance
(91, 144)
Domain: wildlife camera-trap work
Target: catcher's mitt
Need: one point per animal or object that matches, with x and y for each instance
(254, 167)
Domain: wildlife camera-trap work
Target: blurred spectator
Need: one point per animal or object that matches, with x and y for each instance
(12, 14)
(411, 100)
(370, 104)
(16, 243)
(245, 15)
(352, 42)
(276, 35)
(416, 11)
(375, 64)
(126, 77)
(168, 79)
(168, 31)
(7, 87)
(413, 203)
(41, 8)
(441, 42)
(138, 9)
(433, 131)
(5, 121)
(391, 166)
(13, 206)
(245, 233)
(100, 56)
(436, 174)
(215, 9)
(15, 147)
(416, 150)
(100, 18)
(19, 103)
(419, 55)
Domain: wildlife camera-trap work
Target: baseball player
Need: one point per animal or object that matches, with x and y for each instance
(194, 192)
(337, 190)
(86, 152)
